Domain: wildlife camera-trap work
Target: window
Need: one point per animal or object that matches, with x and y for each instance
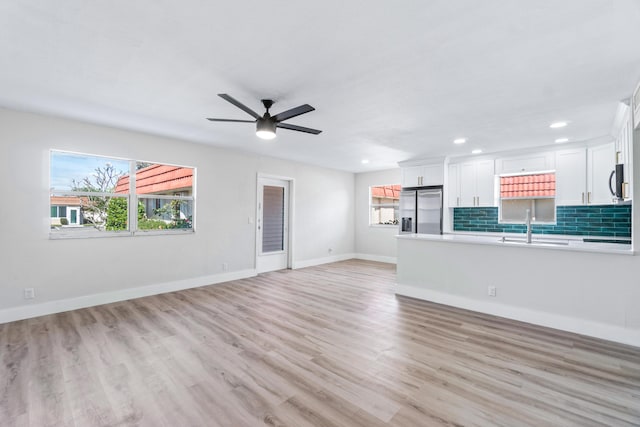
(533, 192)
(93, 195)
(384, 202)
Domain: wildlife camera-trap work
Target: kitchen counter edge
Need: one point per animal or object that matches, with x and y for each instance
(574, 243)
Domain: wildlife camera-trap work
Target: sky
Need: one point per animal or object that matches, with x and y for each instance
(65, 167)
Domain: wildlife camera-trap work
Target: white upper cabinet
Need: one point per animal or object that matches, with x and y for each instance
(419, 176)
(485, 183)
(527, 163)
(623, 128)
(571, 173)
(601, 162)
(582, 175)
(452, 188)
(467, 184)
(411, 176)
(475, 184)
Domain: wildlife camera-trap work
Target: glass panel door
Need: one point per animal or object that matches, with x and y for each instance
(273, 219)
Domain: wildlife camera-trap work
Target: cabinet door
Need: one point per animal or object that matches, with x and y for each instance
(623, 146)
(433, 174)
(411, 176)
(530, 163)
(600, 163)
(485, 183)
(453, 186)
(571, 173)
(467, 184)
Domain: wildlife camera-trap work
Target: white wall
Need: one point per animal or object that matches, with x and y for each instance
(375, 243)
(82, 272)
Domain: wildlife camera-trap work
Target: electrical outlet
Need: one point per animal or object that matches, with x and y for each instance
(491, 291)
(29, 293)
(225, 266)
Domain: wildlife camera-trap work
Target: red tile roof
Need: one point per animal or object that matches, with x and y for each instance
(537, 185)
(386, 191)
(67, 200)
(158, 179)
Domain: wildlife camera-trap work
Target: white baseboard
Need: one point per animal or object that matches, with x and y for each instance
(50, 307)
(319, 261)
(555, 321)
(377, 258)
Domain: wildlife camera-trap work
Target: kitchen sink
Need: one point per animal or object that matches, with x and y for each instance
(549, 242)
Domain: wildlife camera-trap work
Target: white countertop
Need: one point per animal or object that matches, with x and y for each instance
(544, 241)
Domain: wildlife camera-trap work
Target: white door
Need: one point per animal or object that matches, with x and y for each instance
(272, 225)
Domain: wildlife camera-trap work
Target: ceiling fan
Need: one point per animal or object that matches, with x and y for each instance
(266, 124)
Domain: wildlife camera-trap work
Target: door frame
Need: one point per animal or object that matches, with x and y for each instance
(77, 211)
(290, 217)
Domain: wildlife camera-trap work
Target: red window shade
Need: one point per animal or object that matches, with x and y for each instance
(535, 185)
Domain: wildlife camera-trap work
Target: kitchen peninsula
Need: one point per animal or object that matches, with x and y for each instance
(546, 285)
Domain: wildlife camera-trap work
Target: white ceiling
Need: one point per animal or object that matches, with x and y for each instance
(390, 81)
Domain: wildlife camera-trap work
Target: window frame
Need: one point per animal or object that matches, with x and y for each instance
(372, 205)
(132, 201)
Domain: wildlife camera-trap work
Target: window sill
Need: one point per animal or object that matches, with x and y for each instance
(383, 225)
(90, 234)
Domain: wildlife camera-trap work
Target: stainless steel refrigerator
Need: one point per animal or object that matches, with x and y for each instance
(421, 210)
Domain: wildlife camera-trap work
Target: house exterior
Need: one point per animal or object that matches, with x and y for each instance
(161, 180)
(385, 201)
(67, 207)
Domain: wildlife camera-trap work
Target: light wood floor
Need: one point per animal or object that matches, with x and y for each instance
(323, 346)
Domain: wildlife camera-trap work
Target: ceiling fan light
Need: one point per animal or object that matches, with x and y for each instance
(266, 129)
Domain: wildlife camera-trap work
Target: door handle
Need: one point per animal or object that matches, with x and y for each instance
(613, 173)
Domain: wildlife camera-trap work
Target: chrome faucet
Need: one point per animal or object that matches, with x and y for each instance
(528, 222)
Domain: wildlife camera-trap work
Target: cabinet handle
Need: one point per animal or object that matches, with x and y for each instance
(589, 197)
(458, 201)
(478, 197)
(583, 197)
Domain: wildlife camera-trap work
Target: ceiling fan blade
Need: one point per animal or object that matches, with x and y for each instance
(306, 108)
(298, 128)
(231, 120)
(239, 104)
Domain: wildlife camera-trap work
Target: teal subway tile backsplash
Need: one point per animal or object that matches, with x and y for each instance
(592, 220)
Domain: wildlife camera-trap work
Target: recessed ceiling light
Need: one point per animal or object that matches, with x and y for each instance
(460, 140)
(561, 140)
(364, 161)
(557, 125)
(476, 151)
